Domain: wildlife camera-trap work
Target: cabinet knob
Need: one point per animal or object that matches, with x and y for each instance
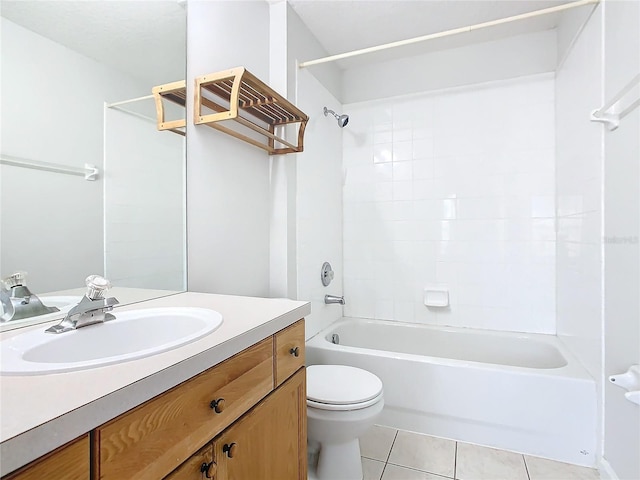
(209, 469)
(217, 405)
(230, 450)
(295, 351)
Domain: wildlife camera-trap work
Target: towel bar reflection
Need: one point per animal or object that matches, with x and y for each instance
(89, 172)
(611, 113)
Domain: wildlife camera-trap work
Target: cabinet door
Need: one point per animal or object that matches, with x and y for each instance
(69, 462)
(269, 442)
(199, 466)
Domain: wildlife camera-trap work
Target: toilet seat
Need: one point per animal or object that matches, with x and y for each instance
(341, 387)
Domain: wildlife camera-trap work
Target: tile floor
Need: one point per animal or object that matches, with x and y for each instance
(390, 454)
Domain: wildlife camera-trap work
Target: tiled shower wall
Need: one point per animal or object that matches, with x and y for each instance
(453, 189)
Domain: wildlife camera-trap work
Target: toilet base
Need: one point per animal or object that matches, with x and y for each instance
(339, 461)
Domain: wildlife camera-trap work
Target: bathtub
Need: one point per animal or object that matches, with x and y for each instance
(519, 392)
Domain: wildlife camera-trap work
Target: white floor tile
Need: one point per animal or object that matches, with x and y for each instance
(481, 463)
(395, 472)
(422, 452)
(376, 443)
(543, 469)
(372, 469)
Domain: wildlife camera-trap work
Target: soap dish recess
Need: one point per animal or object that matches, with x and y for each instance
(436, 297)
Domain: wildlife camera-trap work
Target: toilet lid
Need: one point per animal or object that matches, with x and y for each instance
(341, 384)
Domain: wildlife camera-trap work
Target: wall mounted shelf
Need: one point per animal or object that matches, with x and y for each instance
(258, 113)
(175, 92)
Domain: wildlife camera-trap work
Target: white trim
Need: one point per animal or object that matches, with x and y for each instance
(447, 33)
(606, 470)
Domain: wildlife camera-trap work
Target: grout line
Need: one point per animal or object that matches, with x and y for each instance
(389, 455)
(384, 467)
(421, 471)
(455, 462)
(526, 468)
(392, 444)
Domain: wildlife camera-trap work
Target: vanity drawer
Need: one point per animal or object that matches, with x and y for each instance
(150, 440)
(289, 351)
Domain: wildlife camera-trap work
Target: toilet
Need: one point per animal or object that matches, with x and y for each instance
(342, 403)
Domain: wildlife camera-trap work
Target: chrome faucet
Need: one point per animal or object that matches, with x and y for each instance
(92, 309)
(17, 300)
(329, 299)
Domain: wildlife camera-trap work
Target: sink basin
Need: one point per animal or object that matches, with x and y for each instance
(133, 334)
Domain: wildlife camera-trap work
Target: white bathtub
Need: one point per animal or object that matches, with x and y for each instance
(519, 392)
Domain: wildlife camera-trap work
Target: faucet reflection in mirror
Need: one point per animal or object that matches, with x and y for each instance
(92, 309)
(17, 300)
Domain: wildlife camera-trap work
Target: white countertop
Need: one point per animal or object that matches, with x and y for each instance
(41, 412)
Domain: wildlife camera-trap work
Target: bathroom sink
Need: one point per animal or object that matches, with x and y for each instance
(133, 334)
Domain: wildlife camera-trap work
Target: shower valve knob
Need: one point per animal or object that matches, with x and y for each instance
(326, 274)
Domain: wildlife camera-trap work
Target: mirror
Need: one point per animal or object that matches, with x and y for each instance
(76, 99)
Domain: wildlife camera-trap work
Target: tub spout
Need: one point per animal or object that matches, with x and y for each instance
(329, 299)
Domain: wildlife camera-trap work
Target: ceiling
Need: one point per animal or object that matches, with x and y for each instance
(145, 38)
(346, 25)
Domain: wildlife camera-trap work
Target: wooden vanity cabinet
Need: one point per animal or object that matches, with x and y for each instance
(149, 441)
(266, 443)
(264, 384)
(69, 462)
(243, 419)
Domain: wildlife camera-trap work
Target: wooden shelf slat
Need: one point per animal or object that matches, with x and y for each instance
(244, 92)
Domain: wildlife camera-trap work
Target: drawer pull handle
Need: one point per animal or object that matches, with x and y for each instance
(208, 469)
(217, 405)
(230, 450)
(295, 351)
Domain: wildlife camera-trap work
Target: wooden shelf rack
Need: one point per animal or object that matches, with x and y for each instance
(175, 92)
(254, 108)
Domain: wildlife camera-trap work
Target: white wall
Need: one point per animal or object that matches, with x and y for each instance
(621, 238)
(144, 203)
(52, 111)
(314, 177)
(457, 188)
(304, 46)
(319, 204)
(282, 243)
(228, 198)
(469, 65)
(579, 195)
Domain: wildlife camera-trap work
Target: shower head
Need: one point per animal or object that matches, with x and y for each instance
(342, 119)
